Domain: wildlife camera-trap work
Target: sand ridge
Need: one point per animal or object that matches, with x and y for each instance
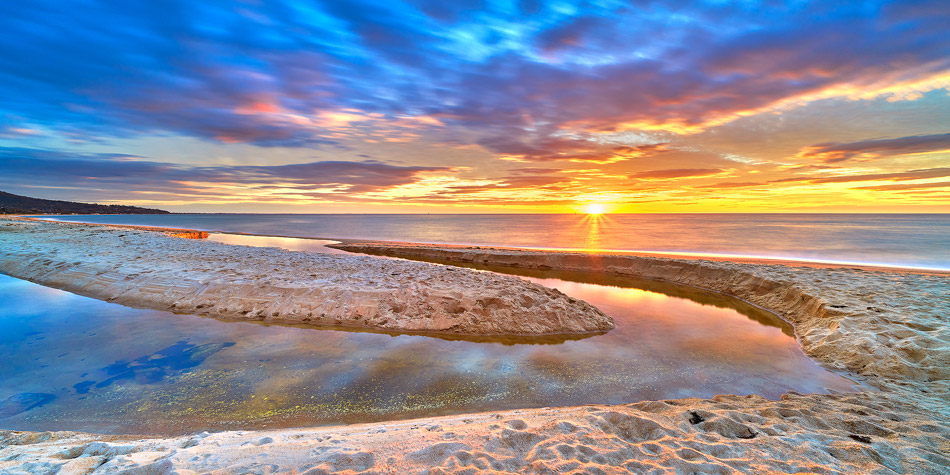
(890, 327)
(145, 268)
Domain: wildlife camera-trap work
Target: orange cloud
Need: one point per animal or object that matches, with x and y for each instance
(676, 173)
(906, 186)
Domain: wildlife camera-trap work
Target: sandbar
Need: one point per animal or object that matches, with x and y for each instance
(154, 268)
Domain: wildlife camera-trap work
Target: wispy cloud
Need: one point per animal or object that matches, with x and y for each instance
(894, 176)
(732, 185)
(907, 186)
(675, 173)
(124, 174)
(868, 149)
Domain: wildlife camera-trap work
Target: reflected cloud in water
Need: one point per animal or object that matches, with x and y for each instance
(108, 368)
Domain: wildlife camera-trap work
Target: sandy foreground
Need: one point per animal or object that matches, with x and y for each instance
(892, 328)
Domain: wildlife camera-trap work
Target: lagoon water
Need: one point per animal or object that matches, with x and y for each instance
(75, 363)
(903, 240)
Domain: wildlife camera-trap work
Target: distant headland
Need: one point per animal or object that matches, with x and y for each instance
(17, 204)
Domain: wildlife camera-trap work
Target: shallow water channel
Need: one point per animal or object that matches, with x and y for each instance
(75, 363)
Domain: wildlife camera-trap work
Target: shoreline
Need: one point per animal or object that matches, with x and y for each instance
(151, 268)
(893, 330)
(692, 255)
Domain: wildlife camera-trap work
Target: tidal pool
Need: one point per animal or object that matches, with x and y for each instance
(75, 363)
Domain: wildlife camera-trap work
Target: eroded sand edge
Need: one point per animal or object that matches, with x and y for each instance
(887, 325)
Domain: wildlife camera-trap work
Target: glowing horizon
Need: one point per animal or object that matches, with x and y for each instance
(420, 107)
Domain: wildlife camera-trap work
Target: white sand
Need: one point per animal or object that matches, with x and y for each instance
(891, 327)
(149, 269)
(800, 434)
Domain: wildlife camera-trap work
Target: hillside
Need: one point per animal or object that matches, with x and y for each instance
(16, 204)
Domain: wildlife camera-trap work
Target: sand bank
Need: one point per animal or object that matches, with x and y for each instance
(891, 327)
(152, 269)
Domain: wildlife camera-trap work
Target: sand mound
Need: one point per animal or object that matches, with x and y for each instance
(141, 268)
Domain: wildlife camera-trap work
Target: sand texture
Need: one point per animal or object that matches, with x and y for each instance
(861, 433)
(890, 327)
(145, 268)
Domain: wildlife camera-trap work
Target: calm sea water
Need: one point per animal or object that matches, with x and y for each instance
(910, 240)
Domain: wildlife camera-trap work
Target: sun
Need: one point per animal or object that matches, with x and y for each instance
(595, 208)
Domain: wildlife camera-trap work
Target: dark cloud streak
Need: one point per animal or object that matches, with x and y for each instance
(918, 174)
(839, 152)
(123, 174)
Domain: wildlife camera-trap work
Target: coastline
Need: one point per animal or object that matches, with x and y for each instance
(689, 255)
(892, 330)
(153, 268)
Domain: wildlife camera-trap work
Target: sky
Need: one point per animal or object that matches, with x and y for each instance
(478, 106)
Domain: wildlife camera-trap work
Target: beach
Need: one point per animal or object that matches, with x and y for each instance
(888, 327)
(145, 268)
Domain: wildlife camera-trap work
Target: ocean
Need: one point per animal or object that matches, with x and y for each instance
(899, 240)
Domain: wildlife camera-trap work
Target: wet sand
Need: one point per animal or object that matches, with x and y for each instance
(891, 327)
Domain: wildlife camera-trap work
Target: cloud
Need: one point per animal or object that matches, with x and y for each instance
(546, 148)
(733, 185)
(908, 175)
(569, 34)
(906, 186)
(868, 149)
(16, 132)
(675, 173)
(123, 174)
(532, 170)
(693, 75)
(351, 177)
(535, 183)
(257, 72)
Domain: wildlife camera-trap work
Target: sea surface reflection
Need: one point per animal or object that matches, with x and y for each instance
(75, 363)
